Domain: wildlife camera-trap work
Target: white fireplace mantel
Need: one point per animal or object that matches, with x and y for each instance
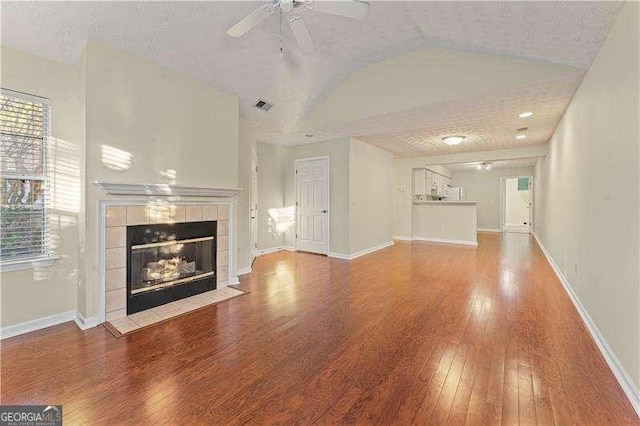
(160, 189)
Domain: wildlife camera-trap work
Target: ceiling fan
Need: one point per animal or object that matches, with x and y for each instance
(354, 9)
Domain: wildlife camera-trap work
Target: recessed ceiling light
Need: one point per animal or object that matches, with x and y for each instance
(526, 114)
(453, 140)
(521, 137)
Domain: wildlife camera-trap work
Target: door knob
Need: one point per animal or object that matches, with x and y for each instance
(323, 211)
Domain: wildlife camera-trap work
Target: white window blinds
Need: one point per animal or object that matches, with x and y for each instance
(24, 137)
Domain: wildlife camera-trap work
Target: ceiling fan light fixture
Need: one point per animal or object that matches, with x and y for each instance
(486, 166)
(453, 140)
(354, 9)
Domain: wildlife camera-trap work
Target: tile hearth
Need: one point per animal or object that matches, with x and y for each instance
(164, 312)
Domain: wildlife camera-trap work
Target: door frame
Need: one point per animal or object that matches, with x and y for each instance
(253, 208)
(503, 203)
(295, 189)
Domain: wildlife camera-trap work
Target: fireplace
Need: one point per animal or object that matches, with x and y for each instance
(168, 262)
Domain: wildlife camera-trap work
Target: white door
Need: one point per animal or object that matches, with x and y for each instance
(517, 212)
(312, 205)
(254, 205)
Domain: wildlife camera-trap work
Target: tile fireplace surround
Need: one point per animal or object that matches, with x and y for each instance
(118, 215)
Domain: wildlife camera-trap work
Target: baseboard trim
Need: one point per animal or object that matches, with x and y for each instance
(628, 386)
(402, 238)
(371, 250)
(273, 250)
(288, 248)
(85, 323)
(339, 255)
(446, 241)
(489, 230)
(36, 324)
(360, 253)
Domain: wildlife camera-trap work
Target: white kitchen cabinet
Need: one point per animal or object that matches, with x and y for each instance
(430, 183)
(419, 182)
(445, 185)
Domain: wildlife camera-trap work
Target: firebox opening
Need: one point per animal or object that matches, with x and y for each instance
(168, 262)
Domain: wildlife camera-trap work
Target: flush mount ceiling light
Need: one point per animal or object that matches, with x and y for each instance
(526, 114)
(453, 140)
(521, 137)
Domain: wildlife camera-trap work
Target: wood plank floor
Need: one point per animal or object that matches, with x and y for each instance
(417, 333)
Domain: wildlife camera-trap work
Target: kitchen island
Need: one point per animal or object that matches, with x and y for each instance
(445, 222)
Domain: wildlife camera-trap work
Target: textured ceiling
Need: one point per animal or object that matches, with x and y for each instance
(189, 37)
(489, 122)
(502, 164)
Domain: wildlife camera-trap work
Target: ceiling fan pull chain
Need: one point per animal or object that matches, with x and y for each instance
(280, 44)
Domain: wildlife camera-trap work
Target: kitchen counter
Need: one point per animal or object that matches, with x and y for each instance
(445, 202)
(451, 222)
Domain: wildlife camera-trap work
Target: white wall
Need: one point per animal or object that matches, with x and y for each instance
(483, 186)
(360, 193)
(445, 222)
(145, 124)
(271, 168)
(36, 293)
(119, 119)
(586, 192)
(371, 195)
(338, 152)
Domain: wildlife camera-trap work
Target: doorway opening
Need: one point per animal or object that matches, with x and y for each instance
(312, 204)
(517, 202)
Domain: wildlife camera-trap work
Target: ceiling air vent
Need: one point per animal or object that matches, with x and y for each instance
(522, 129)
(263, 105)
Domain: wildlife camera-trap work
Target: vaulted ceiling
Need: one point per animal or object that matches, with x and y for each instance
(411, 73)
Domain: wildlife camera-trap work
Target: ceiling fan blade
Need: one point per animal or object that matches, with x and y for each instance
(353, 9)
(301, 33)
(250, 21)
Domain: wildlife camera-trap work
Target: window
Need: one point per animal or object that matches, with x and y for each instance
(24, 215)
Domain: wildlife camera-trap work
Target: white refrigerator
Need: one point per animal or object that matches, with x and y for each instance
(455, 194)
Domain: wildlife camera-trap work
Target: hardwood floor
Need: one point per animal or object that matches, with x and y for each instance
(416, 333)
